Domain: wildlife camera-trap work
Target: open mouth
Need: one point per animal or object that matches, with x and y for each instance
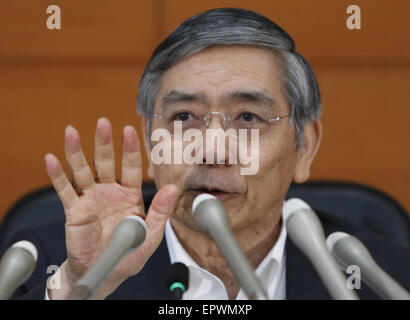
(221, 195)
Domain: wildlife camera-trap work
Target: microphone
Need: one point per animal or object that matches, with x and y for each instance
(178, 280)
(126, 238)
(16, 266)
(306, 231)
(211, 217)
(349, 250)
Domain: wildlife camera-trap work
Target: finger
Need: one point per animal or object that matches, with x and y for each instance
(160, 210)
(131, 171)
(104, 151)
(81, 171)
(60, 182)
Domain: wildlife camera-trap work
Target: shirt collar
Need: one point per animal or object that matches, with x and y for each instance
(178, 254)
(277, 252)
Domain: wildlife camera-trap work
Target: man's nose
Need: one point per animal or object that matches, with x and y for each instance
(217, 145)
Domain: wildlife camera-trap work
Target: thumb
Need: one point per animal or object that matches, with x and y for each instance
(161, 208)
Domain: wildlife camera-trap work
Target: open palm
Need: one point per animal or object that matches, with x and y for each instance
(94, 206)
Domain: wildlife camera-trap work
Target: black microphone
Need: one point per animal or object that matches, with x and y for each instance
(178, 280)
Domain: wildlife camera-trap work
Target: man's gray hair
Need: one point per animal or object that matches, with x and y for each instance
(221, 27)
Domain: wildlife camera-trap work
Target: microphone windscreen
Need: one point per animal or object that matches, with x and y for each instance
(201, 198)
(178, 273)
(28, 246)
(334, 238)
(293, 205)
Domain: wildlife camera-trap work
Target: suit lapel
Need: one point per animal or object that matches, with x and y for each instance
(302, 280)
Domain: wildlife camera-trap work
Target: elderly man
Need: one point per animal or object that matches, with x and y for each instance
(227, 69)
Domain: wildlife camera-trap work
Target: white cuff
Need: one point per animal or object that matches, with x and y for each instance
(46, 294)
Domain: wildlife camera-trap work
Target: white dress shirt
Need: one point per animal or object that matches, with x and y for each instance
(204, 285)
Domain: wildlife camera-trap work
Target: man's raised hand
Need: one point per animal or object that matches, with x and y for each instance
(95, 205)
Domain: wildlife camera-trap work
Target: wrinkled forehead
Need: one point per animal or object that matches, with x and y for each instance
(221, 74)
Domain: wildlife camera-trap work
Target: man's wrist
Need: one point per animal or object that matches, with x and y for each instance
(58, 287)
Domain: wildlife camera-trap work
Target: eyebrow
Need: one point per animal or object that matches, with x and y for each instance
(252, 96)
(176, 96)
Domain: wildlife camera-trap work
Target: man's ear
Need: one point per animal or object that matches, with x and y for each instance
(150, 170)
(312, 135)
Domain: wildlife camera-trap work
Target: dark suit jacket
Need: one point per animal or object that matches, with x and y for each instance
(302, 281)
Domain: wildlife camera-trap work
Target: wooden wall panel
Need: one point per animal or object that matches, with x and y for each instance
(366, 127)
(38, 102)
(319, 27)
(92, 28)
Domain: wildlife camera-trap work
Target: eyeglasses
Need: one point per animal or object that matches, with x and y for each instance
(247, 118)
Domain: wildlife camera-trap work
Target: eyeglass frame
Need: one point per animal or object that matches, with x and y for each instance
(206, 119)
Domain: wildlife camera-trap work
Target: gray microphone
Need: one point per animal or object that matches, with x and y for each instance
(211, 217)
(126, 238)
(16, 266)
(349, 250)
(306, 231)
